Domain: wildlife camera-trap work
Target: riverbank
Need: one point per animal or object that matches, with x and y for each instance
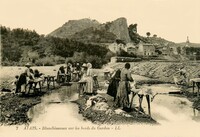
(103, 112)
(163, 72)
(14, 108)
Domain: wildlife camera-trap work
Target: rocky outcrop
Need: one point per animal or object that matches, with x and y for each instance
(118, 27)
(92, 31)
(94, 35)
(73, 26)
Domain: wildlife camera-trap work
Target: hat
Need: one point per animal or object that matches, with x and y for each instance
(27, 64)
(89, 65)
(84, 65)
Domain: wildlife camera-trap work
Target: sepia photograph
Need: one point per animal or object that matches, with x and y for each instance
(94, 68)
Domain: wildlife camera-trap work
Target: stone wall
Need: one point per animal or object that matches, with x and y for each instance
(163, 71)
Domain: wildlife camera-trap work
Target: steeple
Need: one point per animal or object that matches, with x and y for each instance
(187, 42)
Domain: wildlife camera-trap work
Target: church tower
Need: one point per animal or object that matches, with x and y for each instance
(187, 42)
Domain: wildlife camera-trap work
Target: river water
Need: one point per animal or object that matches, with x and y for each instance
(57, 108)
(170, 108)
(174, 113)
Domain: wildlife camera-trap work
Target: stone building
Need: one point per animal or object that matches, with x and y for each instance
(146, 49)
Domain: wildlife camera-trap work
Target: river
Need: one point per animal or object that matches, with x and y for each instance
(174, 113)
(165, 108)
(57, 108)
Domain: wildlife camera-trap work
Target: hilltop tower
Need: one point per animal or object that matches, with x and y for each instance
(187, 42)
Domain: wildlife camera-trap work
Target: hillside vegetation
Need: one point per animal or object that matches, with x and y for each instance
(81, 40)
(20, 46)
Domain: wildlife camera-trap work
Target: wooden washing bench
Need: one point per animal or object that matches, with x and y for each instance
(50, 80)
(141, 95)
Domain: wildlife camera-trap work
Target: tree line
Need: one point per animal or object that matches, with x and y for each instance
(22, 45)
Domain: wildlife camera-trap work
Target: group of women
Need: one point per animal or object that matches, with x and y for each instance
(119, 87)
(75, 72)
(68, 73)
(27, 79)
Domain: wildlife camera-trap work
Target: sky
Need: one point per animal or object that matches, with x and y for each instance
(173, 20)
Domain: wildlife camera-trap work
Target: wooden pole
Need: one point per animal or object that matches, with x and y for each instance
(193, 85)
(198, 86)
(148, 102)
(140, 102)
(132, 99)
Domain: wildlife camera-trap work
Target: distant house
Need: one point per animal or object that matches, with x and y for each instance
(146, 49)
(142, 49)
(165, 50)
(131, 48)
(114, 47)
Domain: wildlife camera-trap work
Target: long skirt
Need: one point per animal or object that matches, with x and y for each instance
(122, 99)
(112, 88)
(89, 85)
(21, 84)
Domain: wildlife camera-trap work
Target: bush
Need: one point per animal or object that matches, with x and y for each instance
(82, 57)
(46, 61)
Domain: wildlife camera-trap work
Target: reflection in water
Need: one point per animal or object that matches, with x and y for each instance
(168, 108)
(56, 108)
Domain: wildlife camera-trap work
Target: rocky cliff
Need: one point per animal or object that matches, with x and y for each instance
(94, 35)
(118, 27)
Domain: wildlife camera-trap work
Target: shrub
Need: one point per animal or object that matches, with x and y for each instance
(46, 61)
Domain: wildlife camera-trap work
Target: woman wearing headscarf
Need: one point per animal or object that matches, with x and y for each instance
(123, 90)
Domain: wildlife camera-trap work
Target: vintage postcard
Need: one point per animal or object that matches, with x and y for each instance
(100, 68)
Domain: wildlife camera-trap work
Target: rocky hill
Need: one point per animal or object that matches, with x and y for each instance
(94, 35)
(73, 26)
(93, 31)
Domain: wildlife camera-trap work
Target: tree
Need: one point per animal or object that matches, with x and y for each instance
(148, 34)
(155, 36)
(33, 56)
(179, 50)
(132, 28)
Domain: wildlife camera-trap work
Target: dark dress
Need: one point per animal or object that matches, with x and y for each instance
(60, 75)
(114, 83)
(21, 81)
